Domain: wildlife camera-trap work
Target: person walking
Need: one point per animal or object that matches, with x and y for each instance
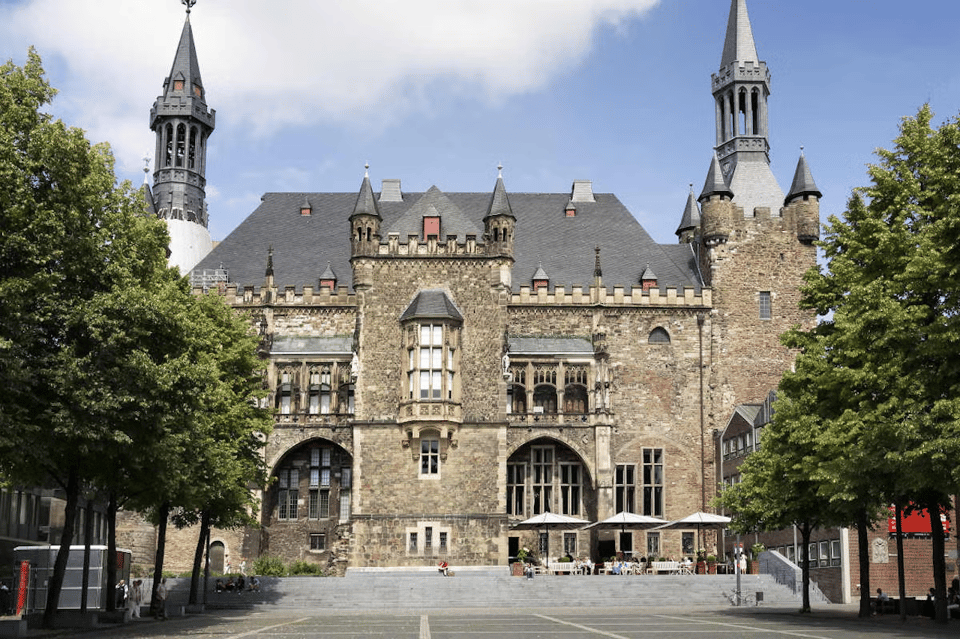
(135, 598)
(161, 592)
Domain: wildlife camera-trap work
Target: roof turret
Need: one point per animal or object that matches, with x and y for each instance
(715, 184)
(691, 214)
(499, 202)
(803, 183)
(366, 202)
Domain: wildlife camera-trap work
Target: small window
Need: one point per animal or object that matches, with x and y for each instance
(659, 335)
(413, 542)
(429, 456)
(318, 541)
(766, 311)
(443, 541)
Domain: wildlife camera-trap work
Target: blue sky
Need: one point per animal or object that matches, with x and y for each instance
(439, 92)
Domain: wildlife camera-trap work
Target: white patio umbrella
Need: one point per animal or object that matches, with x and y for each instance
(699, 520)
(551, 521)
(625, 520)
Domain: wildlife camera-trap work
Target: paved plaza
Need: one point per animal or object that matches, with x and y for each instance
(834, 622)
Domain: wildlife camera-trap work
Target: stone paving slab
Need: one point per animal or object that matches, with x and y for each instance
(572, 622)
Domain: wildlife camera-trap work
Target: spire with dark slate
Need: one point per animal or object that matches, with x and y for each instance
(691, 215)
(499, 202)
(715, 184)
(185, 67)
(366, 202)
(803, 183)
(182, 124)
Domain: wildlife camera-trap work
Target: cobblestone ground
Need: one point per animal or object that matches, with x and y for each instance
(563, 623)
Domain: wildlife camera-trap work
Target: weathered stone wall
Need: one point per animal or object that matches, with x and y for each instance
(763, 254)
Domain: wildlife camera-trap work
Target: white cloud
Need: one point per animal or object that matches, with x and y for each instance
(300, 62)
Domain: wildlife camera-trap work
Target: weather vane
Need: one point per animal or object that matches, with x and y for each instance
(189, 4)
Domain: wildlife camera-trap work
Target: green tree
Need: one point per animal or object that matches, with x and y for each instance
(71, 235)
(882, 361)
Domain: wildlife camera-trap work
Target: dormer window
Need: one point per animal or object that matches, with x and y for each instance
(178, 85)
(431, 227)
(540, 278)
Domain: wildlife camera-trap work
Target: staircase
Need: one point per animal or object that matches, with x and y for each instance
(495, 588)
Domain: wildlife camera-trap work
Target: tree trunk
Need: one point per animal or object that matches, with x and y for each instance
(162, 515)
(87, 534)
(112, 549)
(206, 565)
(66, 538)
(939, 563)
(863, 554)
(198, 557)
(805, 530)
(901, 575)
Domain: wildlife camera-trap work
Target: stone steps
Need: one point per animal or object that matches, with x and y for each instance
(495, 589)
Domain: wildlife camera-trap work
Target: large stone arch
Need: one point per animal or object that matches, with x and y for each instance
(547, 474)
(306, 506)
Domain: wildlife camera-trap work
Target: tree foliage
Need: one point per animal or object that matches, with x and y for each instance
(875, 390)
(116, 378)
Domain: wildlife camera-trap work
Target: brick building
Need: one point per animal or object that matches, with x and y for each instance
(444, 365)
(833, 552)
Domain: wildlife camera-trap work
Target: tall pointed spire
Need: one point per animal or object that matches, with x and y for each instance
(739, 45)
(741, 89)
(182, 124)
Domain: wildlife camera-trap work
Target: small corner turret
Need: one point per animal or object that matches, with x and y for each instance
(499, 222)
(365, 220)
(716, 202)
(803, 202)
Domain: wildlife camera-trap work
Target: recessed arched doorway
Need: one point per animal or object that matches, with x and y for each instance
(217, 555)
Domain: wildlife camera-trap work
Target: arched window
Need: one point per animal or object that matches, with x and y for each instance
(181, 149)
(575, 399)
(168, 145)
(659, 335)
(192, 148)
(545, 399)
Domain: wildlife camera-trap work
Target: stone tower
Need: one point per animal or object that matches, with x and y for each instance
(182, 124)
(754, 243)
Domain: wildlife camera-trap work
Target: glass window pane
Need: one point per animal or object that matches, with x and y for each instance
(437, 335)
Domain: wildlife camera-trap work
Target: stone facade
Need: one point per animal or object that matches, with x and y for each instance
(445, 395)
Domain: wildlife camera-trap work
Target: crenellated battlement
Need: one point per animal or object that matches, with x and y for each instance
(433, 246)
(618, 296)
(309, 296)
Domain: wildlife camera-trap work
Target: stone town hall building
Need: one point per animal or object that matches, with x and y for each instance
(445, 365)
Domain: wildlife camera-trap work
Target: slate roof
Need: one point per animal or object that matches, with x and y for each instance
(550, 345)
(342, 345)
(431, 304)
(803, 183)
(185, 63)
(564, 246)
